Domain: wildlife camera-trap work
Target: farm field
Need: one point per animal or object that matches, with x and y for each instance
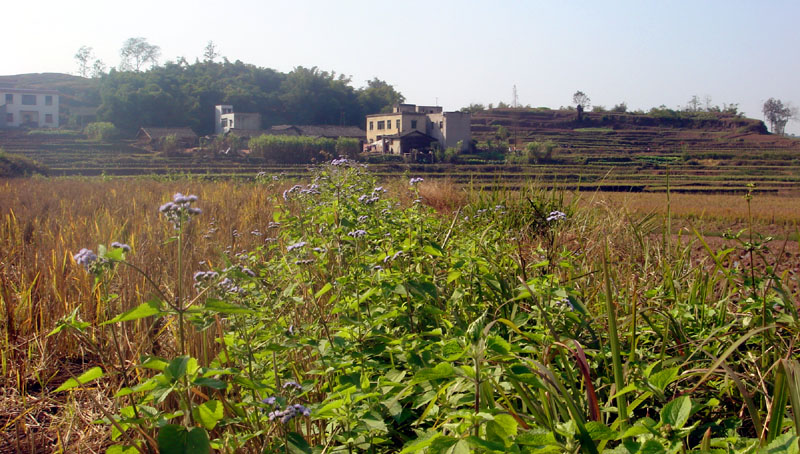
(348, 310)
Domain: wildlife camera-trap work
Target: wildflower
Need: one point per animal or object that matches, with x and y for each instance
(556, 216)
(248, 271)
(319, 249)
(377, 268)
(272, 400)
(415, 180)
(122, 246)
(292, 384)
(297, 245)
(363, 218)
(357, 233)
(85, 257)
(179, 209)
(304, 262)
(339, 162)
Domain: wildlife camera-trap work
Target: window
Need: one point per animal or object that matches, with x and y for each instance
(397, 124)
(28, 100)
(380, 125)
(224, 122)
(9, 98)
(370, 126)
(48, 118)
(441, 124)
(9, 118)
(413, 124)
(48, 100)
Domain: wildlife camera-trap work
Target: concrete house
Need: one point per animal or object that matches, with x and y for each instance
(409, 127)
(225, 120)
(30, 108)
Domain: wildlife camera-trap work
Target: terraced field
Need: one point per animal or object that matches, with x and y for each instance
(644, 160)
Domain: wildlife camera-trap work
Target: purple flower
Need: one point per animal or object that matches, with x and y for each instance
(297, 245)
(85, 257)
(122, 246)
(292, 384)
(556, 216)
(270, 400)
(357, 233)
(415, 180)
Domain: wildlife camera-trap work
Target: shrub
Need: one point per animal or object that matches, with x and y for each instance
(300, 150)
(19, 166)
(101, 131)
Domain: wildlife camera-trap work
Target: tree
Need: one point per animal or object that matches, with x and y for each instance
(378, 97)
(98, 68)
(83, 56)
(210, 52)
(136, 52)
(778, 114)
(581, 100)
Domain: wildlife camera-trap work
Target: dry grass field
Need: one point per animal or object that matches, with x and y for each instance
(46, 221)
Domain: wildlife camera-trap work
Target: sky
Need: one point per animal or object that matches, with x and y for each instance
(452, 53)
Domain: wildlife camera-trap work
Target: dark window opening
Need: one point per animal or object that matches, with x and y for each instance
(48, 100)
(28, 100)
(9, 98)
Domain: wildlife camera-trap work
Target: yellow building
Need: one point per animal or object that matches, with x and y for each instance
(409, 126)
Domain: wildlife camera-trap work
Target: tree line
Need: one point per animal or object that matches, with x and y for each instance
(179, 93)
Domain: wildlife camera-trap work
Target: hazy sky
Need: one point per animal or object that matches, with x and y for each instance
(645, 53)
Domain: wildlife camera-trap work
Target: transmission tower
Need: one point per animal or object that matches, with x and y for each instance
(514, 98)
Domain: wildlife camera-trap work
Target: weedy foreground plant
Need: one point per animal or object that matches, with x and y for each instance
(364, 326)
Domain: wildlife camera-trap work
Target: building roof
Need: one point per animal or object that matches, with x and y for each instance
(407, 134)
(160, 133)
(395, 114)
(32, 91)
(330, 131)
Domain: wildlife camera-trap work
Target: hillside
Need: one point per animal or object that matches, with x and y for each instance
(606, 132)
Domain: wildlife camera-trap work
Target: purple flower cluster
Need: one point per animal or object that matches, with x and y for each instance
(205, 276)
(85, 257)
(297, 245)
(311, 189)
(357, 233)
(290, 412)
(340, 162)
(415, 180)
(556, 216)
(180, 208)
(123, 246)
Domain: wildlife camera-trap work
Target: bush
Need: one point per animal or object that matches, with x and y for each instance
(101, 131)
(301, 150)
(19, 166)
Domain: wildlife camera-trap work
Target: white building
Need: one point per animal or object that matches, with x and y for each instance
(31, 108)
(225, 119)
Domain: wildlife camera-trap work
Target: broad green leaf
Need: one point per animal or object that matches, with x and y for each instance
(442, 370)
(660, 380)
(652, 447)
(155, 363)
(327, 409)
(297, 444)
(175, 439)
(433, 251)
(784, 444)
(208, 414)
(210, 382)
(122, 449)
(599, 431)
(420, 443)
(150, 308)
(325, 289)
(677, 412)
(92, 374)
(498, 345)
(178, 367)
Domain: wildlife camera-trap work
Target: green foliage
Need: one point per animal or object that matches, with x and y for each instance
(19, 166)
(101, 131)
(367, 326)
(299, 149)
(180, 94)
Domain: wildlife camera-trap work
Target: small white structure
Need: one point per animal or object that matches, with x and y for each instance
(225, 119)
(25, 107)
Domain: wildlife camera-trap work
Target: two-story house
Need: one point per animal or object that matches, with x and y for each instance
(24, 107)
(409, 127)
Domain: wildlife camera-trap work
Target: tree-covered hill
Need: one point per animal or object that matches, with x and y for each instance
(183, 94)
